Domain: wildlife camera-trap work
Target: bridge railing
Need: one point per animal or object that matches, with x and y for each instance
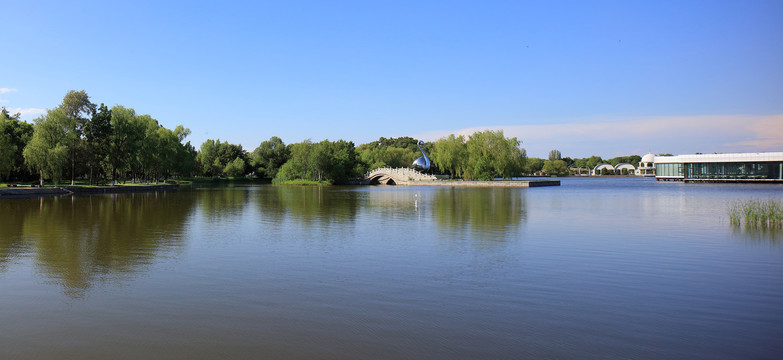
(400, 173)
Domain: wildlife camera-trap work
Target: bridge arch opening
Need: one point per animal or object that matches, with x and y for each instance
(381, 180)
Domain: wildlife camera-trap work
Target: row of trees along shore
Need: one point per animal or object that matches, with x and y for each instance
(97, 144)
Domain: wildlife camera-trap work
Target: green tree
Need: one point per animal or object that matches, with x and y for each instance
(269, 156)
(14, 136)
(78, 109)
(235, 168)
(125, 140)
(336, 162)
(207, 157)
(97, 134)
(214, 156)
(554, 155)
(47, 151)
(450, 154)
(534, 165)
(148, 160)
(593, 161)
(342, 164)
(490, 154)
(298, 165)
(392, 152)
(555, 167)
(7, 151)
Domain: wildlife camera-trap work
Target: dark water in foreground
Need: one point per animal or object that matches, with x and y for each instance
(593, 269)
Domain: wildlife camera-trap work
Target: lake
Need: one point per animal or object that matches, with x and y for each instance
(596, 268)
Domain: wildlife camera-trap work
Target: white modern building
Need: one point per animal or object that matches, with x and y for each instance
(646, 166)
(740, 167)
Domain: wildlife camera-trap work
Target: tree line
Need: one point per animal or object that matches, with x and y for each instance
(82, 140)
(556, 164)
(481, 156)
(79, 139)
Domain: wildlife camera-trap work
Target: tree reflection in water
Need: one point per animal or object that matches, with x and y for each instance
(78, 241)
(491, 212)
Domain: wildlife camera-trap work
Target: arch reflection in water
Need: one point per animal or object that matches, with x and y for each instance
(78, 241)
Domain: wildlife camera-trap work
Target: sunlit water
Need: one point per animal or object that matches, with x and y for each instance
(596, 268)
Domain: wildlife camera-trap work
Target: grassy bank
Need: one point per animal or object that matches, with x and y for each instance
(219, 181)
(303, 183)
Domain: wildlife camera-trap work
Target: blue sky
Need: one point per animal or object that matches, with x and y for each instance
(586, 77)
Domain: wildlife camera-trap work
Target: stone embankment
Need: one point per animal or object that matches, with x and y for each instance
(31, 192)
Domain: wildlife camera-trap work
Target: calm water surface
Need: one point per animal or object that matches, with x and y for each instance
(596, 268)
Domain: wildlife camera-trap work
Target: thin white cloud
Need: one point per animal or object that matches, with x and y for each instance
(3, 101)
(7, 90)
(684, 134)
(28, 111)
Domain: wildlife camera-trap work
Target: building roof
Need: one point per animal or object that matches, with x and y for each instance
(704, 158)
(648, 158)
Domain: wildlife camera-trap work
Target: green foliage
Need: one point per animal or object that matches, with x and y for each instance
(534, 165)
(235, 168)
(7, 151)
(301, 182)
(78, 109)
(593, 161)
(97, 134)
(631, 159)
(555, 167)
(125, 140)
(269, 156)
(14, 136)
(554, 155)
(392, 152)
(214, 156)
(96, 141)
(490, 154)
(77, 106)
(47, 151)
(450, 154)
(335, 162)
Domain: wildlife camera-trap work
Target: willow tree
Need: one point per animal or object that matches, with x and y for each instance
(492, 154)
(124, 140)
(47, 151)
(450, 154)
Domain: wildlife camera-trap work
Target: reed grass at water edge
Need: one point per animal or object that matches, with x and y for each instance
(757, 212)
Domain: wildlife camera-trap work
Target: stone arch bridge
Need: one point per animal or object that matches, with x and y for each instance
(396, 176)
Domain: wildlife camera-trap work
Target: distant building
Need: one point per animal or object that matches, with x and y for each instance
(743, 167)
(629, 169)
(646, 166)
(600, 167)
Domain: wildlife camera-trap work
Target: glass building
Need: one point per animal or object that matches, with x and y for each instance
(746, 167)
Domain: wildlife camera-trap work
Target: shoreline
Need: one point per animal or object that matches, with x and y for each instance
(491, 183)
(22, 193)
